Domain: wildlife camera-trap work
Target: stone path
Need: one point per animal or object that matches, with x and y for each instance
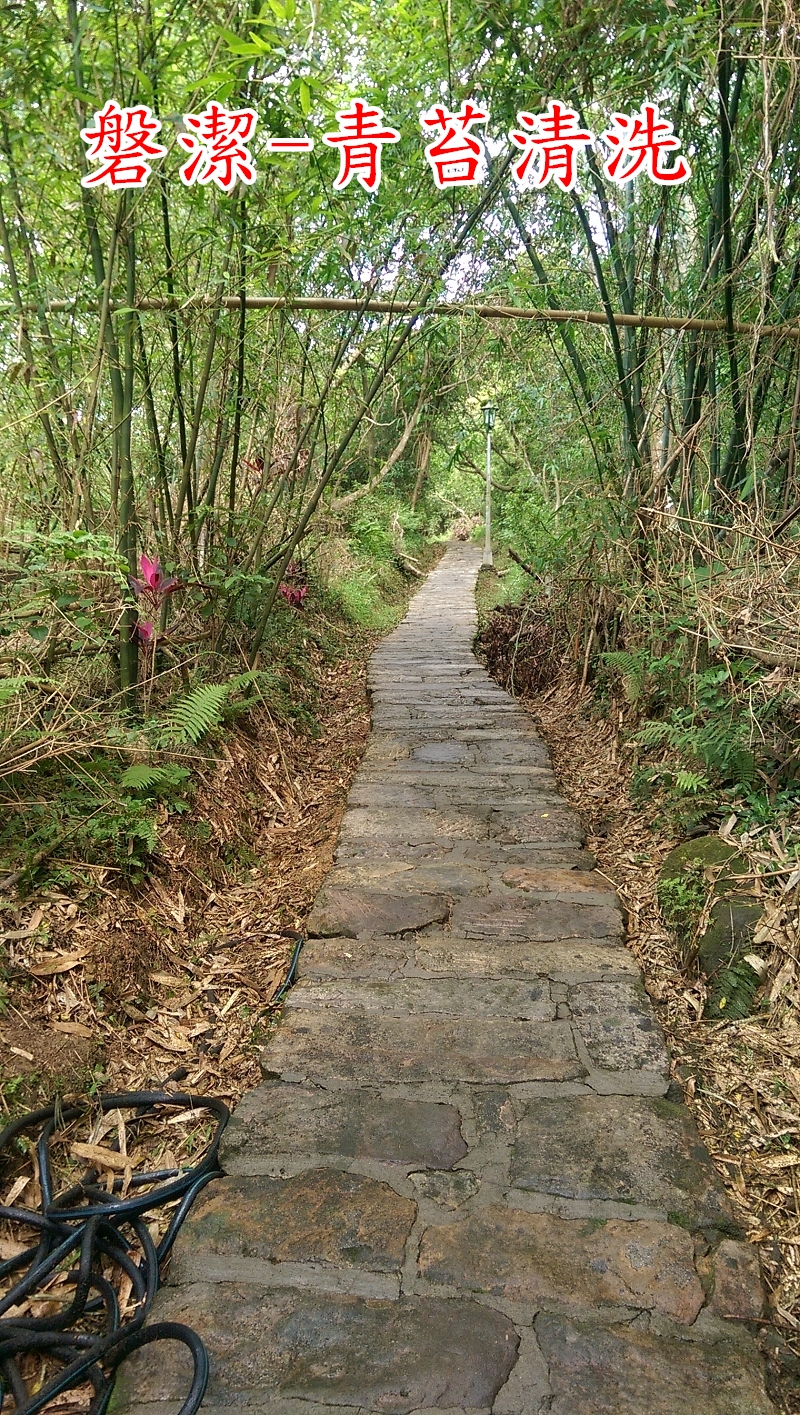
(465, 1184)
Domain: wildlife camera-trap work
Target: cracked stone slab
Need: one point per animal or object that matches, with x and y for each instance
(470, 781)
(320, 1216)
(452, 751)
(618, 1028)
(403, 877)
(450, 1188)
(352, 1046)
(541, 855)
(441, 955)
(528, 1002)
(414, 826)
(504, 916)
(525, 828)
(568, 886)
(738, 1286)
(386, 794)
(355, 958)
(349, 1352)
(599, 1370)
(625, 1149)
(349, 912)
(277, 1119)
(536, 1258)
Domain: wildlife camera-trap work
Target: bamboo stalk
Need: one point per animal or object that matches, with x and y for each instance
(44, 418)
(790, 330)
(128, 645)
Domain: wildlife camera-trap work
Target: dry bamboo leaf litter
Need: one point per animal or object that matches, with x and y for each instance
(741, 1078)
(135, 981)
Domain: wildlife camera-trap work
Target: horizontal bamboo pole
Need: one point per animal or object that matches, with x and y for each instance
(480, 311)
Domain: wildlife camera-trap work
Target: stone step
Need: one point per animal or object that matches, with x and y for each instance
(439, 955)
(456, 997)
(342, 1047)
(292, 1352)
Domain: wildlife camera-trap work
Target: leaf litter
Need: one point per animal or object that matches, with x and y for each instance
(741, 1079)
(171, 983)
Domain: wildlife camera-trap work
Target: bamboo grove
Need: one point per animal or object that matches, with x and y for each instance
(148, 410)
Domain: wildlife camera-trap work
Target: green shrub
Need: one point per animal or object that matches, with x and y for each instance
(681, 900)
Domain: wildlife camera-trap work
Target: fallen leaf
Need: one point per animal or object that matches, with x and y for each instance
(20, 1051)
(16, 1189)
(61, 963)
(28, 931)
(98, 1155)
(171, 1043)
(73, 1029)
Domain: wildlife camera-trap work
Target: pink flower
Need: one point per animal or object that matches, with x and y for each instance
(144, 631)
(153, 579)
(294, 594)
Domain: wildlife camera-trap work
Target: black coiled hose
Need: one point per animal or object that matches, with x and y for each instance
(87, 1221)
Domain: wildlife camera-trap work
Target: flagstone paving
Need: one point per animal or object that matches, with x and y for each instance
(466, 1184)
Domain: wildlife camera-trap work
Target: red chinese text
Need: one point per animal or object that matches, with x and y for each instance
(360, 140)
(457, 158)
(217, 142)
(555, 137)
(122, 142)
(642, 139)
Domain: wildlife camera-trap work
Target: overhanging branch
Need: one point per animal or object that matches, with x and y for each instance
(790, 330)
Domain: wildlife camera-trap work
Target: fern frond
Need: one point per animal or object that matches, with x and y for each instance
(196, 713)
(652, 734)
(734, 992)
(140, 777)
(631, 670)
(690, 782)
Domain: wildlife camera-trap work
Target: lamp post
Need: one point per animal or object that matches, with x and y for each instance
(488, 419)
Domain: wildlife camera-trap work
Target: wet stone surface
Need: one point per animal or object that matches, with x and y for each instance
(538, 1259)
(458, 1189)
(457, 997)
(347, 1046)
(281, 1120)
(623, 1149)
(346, 1351)
(621, 1371)
(346, 913)
(533, 920)
(619, 1030)
(322, 1215)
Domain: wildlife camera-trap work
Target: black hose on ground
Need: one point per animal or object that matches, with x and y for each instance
(88, 1221)
(102, 1229)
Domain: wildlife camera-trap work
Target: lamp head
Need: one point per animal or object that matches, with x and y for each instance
(488, 416)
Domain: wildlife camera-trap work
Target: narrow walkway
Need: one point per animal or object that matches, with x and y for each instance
(462, 1186)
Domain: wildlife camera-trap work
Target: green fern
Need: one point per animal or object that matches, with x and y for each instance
(631, 669)
(689, 783)
(153, 779)
(192, 716)
(734, 992)
(652, 734)
(203, 709)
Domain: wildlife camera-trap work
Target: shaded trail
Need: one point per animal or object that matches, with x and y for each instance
(462, 1186)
